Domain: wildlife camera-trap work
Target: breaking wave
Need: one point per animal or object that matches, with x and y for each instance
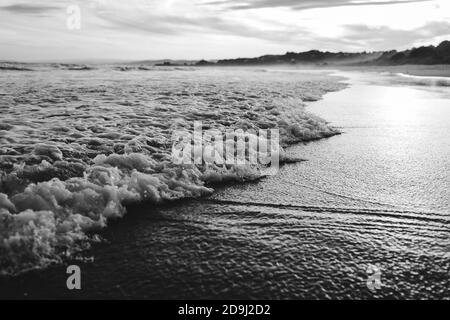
(74, 154)
(13, 67)
(425, 80)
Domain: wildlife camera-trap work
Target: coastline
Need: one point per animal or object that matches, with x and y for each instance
(238, 243)
(38, 196)
(30, 284)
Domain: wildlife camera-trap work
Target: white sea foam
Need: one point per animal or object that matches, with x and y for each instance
(434, 81)
(76, 149)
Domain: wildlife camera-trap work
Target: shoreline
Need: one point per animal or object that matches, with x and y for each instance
(116, 180)
(209, 248)
(135, 212)
(438, 70)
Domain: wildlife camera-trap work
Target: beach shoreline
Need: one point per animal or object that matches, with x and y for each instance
(65, 179)
(300, 219)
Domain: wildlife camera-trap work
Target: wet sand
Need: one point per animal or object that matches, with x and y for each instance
(375, 195)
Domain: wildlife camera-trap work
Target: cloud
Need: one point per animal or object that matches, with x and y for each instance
(189, 29)
(384, 37)
(360, 32)
(175, 26)
(28, 8)
(195, 25)
(302, 5)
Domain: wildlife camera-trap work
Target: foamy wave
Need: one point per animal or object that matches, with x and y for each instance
(74, 155)
(425, 80)
(14, 67)
(49, 220)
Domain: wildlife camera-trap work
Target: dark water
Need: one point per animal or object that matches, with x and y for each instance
(376, 195)
(77, 147)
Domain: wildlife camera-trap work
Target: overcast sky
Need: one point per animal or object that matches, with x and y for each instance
(210, 29)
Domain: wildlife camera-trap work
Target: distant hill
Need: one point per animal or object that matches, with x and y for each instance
(421, 55)
(426, 55)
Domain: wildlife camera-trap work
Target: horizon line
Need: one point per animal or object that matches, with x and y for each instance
(118, 60)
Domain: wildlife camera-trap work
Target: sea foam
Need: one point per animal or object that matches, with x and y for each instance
(77, 148)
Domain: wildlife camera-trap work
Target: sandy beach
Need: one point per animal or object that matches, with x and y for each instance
(311, 231)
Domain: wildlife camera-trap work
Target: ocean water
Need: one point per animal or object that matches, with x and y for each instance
(79, 144)
(375, 196)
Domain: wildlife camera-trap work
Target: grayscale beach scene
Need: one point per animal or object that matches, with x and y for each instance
(166, 150)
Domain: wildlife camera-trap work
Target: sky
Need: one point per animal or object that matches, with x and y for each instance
(49, 30)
